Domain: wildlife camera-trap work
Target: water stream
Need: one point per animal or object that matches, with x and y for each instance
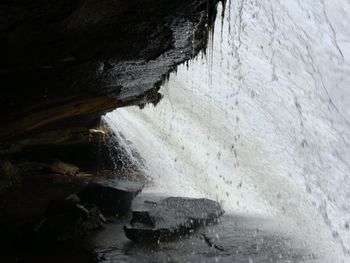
(260, 123)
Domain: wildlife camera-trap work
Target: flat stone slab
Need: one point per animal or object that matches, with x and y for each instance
(113, 197)
(170, 217)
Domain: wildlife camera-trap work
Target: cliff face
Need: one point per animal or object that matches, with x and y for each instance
(65, 63)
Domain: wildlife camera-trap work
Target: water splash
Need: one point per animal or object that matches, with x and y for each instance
(256, 127)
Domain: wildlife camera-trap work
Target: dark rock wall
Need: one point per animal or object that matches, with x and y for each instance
(63, 59)
(65, 63)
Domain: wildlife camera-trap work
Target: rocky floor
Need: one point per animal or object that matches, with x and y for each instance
(232, 238)
(236, 234)
(53, 213)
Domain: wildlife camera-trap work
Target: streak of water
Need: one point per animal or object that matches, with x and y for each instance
(262, 128)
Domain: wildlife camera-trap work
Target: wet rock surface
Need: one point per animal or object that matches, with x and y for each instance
(81, 58)
(67, 219)
(235, 239)
(170, 217)
(243, 238)
(113, 197)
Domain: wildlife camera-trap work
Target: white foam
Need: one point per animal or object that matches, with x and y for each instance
(261, 123)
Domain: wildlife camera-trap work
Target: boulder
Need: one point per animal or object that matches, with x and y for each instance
(66, 219)
(170, 217)
(113, 197)
(60, 167)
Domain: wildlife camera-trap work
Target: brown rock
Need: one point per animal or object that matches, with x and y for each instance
(60, 167)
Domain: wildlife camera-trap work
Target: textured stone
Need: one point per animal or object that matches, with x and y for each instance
(170, 217)
(113, 197)
(67, 59)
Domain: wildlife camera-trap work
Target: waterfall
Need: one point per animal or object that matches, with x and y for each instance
(260, 122)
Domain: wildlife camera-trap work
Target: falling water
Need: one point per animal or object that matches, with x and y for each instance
(261, 123)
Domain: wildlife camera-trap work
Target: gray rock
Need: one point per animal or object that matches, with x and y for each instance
(170, 217)
(72, 58)
(113, 197)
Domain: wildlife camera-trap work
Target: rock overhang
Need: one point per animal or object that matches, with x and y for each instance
(60, 58)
